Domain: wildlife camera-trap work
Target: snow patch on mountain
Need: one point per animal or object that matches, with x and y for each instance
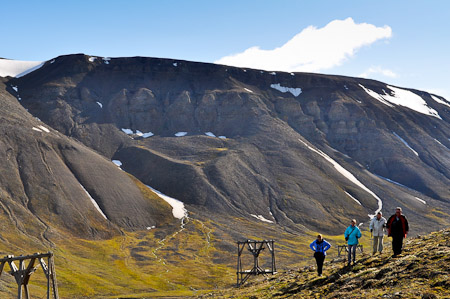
(349, 195)
(178, 209)
(41, 129)
(144, 135)
(261, 218)
(94, 202)
(347, 174)
(391, 181)
(181, 134)
(440, 101)
(295, 91)
(16, 89)
(402, 97)
(18, 68)
(137, 133)
(420, 200)
(440, 143)
(118, 163)
(406, 143)
(127, 131)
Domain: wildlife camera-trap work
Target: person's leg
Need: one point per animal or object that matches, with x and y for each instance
(317, 261)
(349, 256)
(354, 252)
(397, 245)
(380, 244)
(320, 260)
(400, 245)
(375, 244)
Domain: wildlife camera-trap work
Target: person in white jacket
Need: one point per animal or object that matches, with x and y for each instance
(377, 227)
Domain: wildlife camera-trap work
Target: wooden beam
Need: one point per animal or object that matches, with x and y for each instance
(53, 276)
(29, 270)
(25, 257)
(44, 267)
(1, 267)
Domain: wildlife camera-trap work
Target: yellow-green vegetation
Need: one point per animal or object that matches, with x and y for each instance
(175, 259)
(180, 260)
(421, 271)
(128, 265)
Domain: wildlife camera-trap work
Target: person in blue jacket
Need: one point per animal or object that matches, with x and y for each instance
(352, 234)
(320, 246)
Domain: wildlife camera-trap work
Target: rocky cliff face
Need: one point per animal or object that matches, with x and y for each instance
(50, 183)
(296, 150)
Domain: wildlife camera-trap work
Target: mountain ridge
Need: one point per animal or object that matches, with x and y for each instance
(200, 91)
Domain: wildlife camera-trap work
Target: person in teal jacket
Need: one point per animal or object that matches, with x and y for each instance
(352, 234)
(320, 246)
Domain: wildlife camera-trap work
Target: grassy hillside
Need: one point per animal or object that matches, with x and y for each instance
(422, 271)
(198, 259)
(179, 260)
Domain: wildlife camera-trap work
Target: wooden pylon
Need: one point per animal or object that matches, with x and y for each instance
(23, 273)
(255, 248)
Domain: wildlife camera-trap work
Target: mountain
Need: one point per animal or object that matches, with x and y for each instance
(420, 272)
(250, 154)
(295, 148)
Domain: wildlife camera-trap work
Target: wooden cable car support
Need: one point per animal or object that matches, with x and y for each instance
(255, 248)
(344, 248)
(23, 272)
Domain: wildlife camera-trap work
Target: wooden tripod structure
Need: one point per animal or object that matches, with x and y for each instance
(255, 248)
(23, 272)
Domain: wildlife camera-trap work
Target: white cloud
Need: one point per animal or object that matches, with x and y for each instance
(312, 49)
(378, 70)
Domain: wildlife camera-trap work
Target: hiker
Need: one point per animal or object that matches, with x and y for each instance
(398, 228)
(319, 246)
(377, 227)
(352, 234)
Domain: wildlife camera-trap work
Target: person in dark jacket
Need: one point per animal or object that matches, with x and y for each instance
(320, 246)
(398, 228)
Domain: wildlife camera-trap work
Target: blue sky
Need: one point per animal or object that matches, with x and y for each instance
(407, 43)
